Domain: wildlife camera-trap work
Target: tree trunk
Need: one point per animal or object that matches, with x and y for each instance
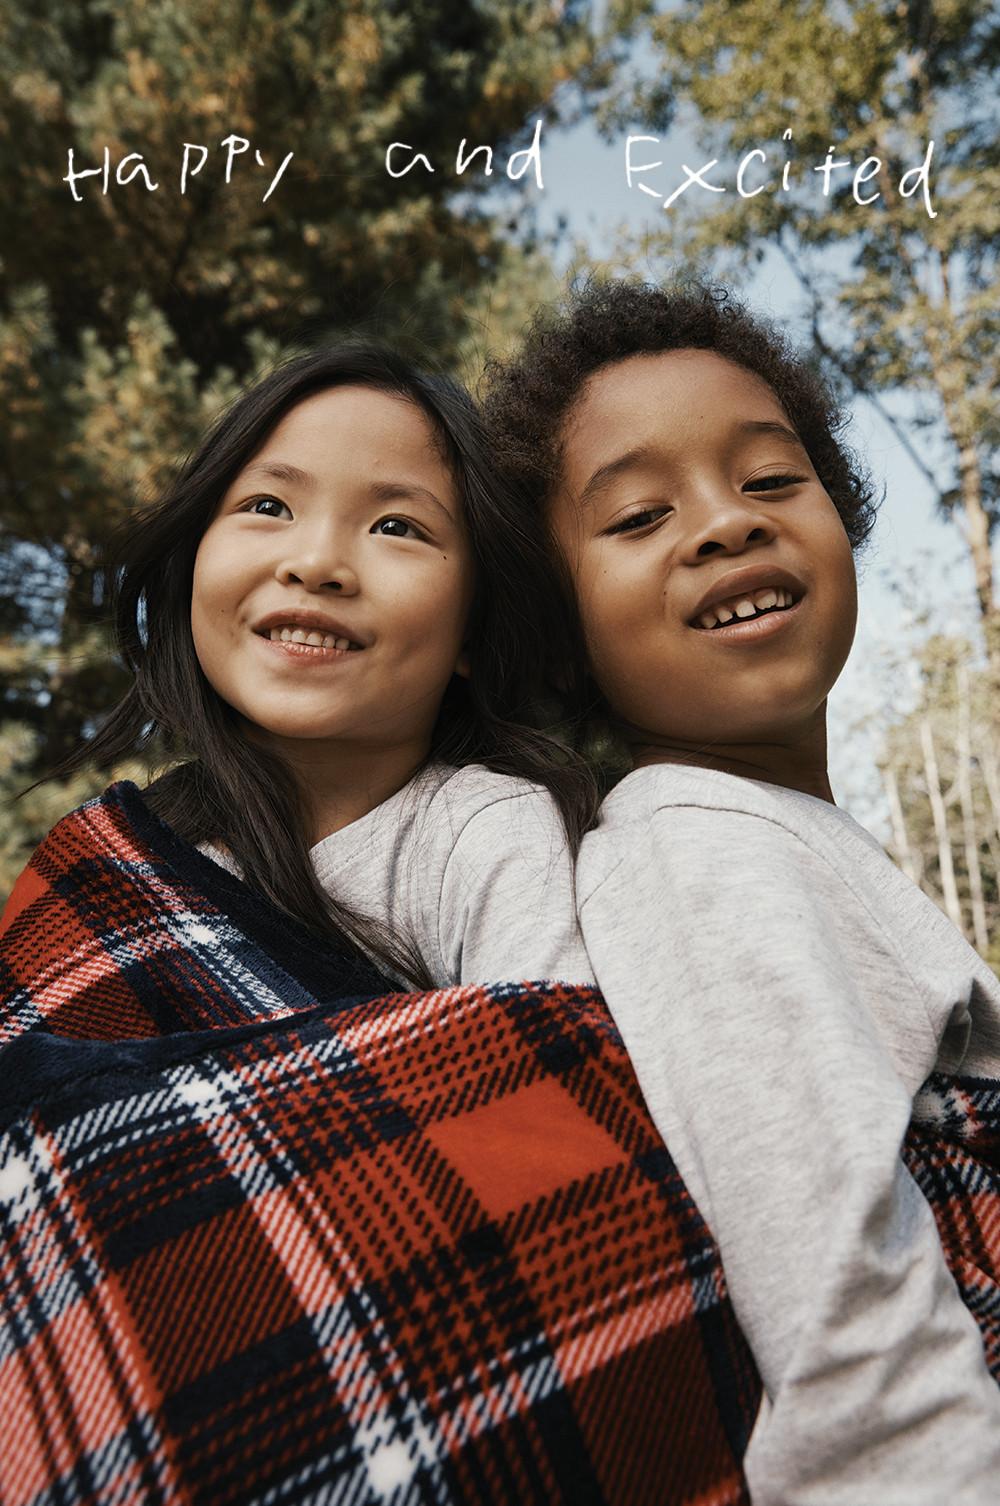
(948, 887)
(971, 841)
(991, 776)
(903, 852)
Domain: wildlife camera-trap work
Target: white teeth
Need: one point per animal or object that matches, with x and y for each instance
(312, 637)
(744, 607)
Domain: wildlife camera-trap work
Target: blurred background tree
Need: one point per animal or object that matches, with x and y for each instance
(895, 299)
(129, 318)
(940, 769)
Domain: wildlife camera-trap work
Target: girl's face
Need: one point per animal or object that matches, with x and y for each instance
(715, 580)
(332, 588)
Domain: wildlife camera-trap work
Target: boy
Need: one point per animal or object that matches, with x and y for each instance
(783, 990)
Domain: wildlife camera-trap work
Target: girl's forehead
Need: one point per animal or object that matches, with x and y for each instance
(390, 415)
(357, 429)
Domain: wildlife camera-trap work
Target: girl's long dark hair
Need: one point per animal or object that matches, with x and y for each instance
(229, 790)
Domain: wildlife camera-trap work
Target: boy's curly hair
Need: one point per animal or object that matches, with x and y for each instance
(528, 397)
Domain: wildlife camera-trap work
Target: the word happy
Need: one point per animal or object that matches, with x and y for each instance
(133, 166)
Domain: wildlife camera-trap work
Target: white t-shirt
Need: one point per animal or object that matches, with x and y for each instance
(472, 868)
(783, 990)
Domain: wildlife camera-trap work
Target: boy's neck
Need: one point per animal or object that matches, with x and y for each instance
(796, 764)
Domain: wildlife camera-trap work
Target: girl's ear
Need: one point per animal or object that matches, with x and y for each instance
(463, 664)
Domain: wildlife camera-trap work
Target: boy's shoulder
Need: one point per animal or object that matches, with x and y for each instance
(662, 785)
(678, 797)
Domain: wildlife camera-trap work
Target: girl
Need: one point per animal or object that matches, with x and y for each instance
(338, 1252)
(783, 990)
(333, 616)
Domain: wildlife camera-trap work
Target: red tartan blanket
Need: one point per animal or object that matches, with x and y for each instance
(952, 1151)
(119, 928)
(257, 1246)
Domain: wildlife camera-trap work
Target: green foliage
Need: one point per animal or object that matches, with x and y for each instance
(127, 319)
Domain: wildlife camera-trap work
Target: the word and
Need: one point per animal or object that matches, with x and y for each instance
(518, 163)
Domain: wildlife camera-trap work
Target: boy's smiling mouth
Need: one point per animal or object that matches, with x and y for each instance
(740, 600)
(746, 607)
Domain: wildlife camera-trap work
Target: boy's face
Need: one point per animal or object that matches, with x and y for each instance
(687, 500)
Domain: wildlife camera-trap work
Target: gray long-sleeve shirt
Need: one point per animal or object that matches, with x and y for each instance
(473, 868)
(783, 990)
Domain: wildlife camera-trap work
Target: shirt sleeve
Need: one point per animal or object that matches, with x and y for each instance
(507, 907)
(731, 958)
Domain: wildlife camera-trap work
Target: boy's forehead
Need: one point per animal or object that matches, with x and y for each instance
(662, 398)
(686, 378)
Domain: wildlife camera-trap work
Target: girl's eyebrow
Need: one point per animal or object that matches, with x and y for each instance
(280, 470)
(393, 491)
(384, 491)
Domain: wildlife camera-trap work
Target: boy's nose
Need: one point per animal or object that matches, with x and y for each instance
(729, 527)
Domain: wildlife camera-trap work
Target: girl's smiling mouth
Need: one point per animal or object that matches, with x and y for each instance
(304, 634)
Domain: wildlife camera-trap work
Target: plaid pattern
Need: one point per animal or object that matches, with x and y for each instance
(423, 1248)
(259, 1244)
(952, 1151)
(118, 928)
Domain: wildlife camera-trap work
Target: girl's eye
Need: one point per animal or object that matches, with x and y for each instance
(268, 507)
(636, 521)
(397, 528)
(772, 483)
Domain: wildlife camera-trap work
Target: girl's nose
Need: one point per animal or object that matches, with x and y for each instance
(318, 566)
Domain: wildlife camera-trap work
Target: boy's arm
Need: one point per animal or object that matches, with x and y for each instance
(756, 1043)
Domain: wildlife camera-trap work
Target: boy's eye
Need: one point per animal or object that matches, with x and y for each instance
(634, 522)
(772, 483)
(397, 528)
(268, 507)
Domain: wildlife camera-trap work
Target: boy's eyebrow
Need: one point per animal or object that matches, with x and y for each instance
(771, 427)
(605, 474)
(642, 455)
